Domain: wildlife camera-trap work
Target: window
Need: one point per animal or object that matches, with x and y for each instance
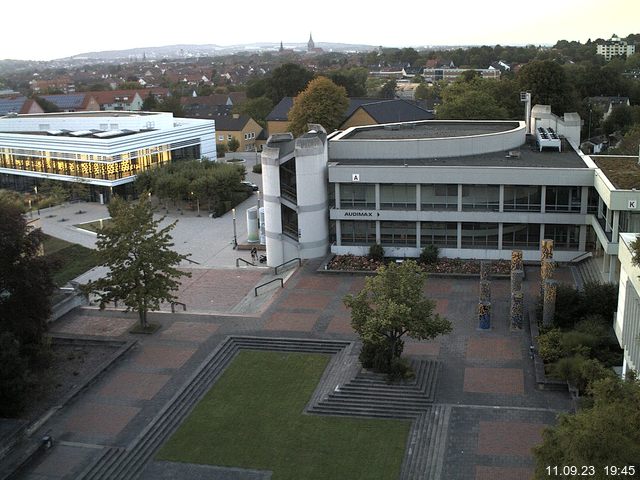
(398, 196)
(221, 138)
(354, 232)
(398, 234)
(592, 201)
(357, 195)
(481, 197)
(521, 235)
(439, 197)
(563, 199)
(565, 237)
(229, 137)
(479, 235)
(520, 198)
(441, 235)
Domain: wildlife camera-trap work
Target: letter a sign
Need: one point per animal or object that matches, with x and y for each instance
(355, 177)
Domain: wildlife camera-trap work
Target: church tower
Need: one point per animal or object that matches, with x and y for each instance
(310, 44)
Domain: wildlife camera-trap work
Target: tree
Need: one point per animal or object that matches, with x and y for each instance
(257, 108)
(321, 102)
(233, 144)
(608, 433)
(25, 282)
(150, 103)
(547, 82)
(388, 90)
(391, 305)
(142, 266)
(470, 100)
(287, 81)
(629, 143)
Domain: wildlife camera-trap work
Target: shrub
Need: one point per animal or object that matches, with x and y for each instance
(400, 369)
(600, 299)
(549, 347)
(257, 168)
(569, 306)
(378, 356)
(579, 371)
(429, 255)
(376, 252)
(14, 376)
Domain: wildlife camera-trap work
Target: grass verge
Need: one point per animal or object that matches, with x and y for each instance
(68, 260)
(253, 418)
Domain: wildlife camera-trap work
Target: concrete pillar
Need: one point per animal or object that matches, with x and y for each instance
(485, 268)
(517, 276)
(600, 204)
(584, 200)
(517, 309)
(501, 196)
(418, 239)
(615, 226)
(605, 263)
(607, 225)
(613, 264)
(378, 231)
(377, 190)
(418, 197)
(549, 302)
(337, 194)
(500, 232)
(543, 201)
(338, 233)
(459, 198)
(459, 234)
(582, 239)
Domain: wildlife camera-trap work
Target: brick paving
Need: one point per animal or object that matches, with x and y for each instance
(487, 377)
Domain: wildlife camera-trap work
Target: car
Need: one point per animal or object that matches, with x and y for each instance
(250, 185)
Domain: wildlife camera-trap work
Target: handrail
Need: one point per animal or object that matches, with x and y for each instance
(192, 261)
(289, 261)
(245, 261)
(579, 257)
(173, 306)
(255, 290)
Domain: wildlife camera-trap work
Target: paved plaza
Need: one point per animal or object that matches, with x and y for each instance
(497, 413)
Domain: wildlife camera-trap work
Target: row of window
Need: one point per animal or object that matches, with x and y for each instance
(445, 234)
(247, 136)
(474, 197)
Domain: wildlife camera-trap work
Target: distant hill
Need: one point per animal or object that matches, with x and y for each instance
(181, 51)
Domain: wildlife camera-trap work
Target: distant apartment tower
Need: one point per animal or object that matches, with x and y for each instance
(614, 47)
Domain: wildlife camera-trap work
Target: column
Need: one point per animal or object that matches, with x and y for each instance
(613, 264)
(549, 302)
(543, 201)
(500, 230)
(584, 200)
(338, 233)
(501, 196)
(607, 227)
(418, 197)
(337, 194)
(377, 190)
(459, 235)
(615, 226)
(459, 198)
(582, 239)
(418, 239)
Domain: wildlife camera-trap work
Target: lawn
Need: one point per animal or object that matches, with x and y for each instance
(68, 260)
(253, 418)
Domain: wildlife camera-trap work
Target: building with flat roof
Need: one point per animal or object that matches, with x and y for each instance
(627, 319)
(102, 149)
(615, 47)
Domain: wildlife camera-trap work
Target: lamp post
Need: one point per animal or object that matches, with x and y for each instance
(235, 237)
(197, 203)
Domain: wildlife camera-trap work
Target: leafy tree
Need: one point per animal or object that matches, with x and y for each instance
(221, 149)
(233, 144)
(321, 102)
(171, 104)
(257, 108)
(354, 80)
(46, 105)
(142, 267)
(391, 305)
(150, 103)
(25, 282)
(470, 100)
(629, 143)
(547, 82)
(388, 90)
(619, 120)
(14, 376)
(287, 81)
(608, 433)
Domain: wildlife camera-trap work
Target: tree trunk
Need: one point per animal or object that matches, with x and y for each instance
(142, 313)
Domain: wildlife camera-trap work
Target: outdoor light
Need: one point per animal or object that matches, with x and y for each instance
(235, 236)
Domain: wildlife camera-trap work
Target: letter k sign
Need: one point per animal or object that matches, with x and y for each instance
(633, 204)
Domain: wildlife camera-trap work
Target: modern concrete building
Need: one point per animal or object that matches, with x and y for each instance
(627, 319)
(475, 189)
(102, 149)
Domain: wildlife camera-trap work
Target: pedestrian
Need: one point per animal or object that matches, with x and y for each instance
(254, 254)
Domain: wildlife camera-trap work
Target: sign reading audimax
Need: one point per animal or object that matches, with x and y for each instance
(360, 214)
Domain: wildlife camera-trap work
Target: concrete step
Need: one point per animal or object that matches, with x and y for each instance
(394, 404)
(327, 409)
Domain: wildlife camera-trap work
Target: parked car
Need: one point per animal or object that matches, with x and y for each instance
(250, 185)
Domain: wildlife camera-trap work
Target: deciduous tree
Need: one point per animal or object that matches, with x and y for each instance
(142, 266)
(321, 102)
(391, 305)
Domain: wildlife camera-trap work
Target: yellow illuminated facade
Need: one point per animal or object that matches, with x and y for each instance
(103, 167)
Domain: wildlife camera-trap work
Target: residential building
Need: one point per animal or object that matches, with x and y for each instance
(127, 100)
(104, 150)
(615, 47)
(73, 102)
(18, 104)
(241, 127)
(451, 74)
(607, 104)
(386, 111)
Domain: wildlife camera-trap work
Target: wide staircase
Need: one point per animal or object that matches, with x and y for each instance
(588, 270)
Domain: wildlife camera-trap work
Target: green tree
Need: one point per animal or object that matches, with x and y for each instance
(14, 376)
(354, 80)
(142, 267)
(25, 282)
(470, 100)
(150, 103)
(287, 81)
(233, 144)
(608, 433)
(257, 108)
(321, 102)
(388, 90)
(392, 304)
(547, 82)
(629, 144)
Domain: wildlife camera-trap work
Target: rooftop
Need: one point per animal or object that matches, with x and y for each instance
(101, 113)
(622, 172)
(527, 156)
(429, 129)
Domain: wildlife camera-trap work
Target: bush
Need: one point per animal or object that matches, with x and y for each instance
(257, 168)
(400, 369)
(376, 252)
(378, 356)
(429, 255)
(600, 299)
(549, 347)
(569, 306)
(580, 372)
(14, 377)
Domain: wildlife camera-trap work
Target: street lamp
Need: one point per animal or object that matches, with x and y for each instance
(197, 203)
(235, 236)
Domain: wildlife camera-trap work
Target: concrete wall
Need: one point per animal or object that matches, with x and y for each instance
(627, 319)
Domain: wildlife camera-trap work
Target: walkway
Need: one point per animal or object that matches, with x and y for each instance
(494, 412)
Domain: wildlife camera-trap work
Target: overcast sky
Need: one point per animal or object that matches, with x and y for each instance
(44, 30)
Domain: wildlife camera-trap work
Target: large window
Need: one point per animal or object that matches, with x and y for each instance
(481, 197)
(521, 235)
(439, 197)
(442, 235)
(289, 222)
(565, 237)
(563, 199)
(520, 198)
(398, 196)
(479, 235)
(398, 234)
(357, 195)
(357, 233)
(592, 201)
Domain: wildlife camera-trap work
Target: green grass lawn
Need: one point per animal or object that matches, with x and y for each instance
(68, 260)
(253, 418)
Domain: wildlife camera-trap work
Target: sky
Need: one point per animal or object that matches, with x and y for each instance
(44, 30)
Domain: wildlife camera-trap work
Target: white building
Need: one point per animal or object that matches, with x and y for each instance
(102, 149)
(614, 47)
(627, 320)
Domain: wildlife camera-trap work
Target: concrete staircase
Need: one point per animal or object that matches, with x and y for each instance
(588, 270)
